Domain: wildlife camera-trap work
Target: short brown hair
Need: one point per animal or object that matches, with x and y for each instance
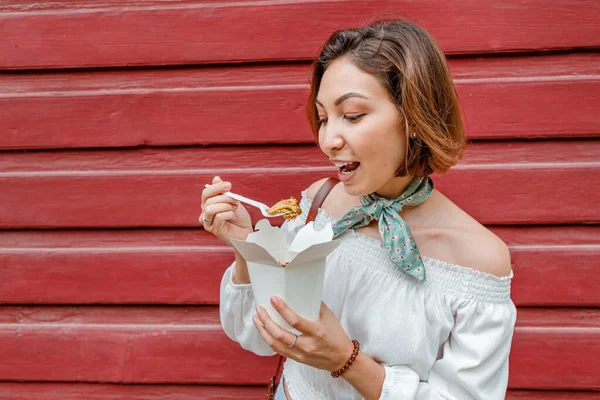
(409, 63)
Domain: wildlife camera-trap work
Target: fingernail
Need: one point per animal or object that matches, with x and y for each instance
(258, 310)
(274, 301)
(226, 185)
(235, 206)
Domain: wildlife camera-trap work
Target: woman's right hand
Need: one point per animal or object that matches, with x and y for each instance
(224, 217)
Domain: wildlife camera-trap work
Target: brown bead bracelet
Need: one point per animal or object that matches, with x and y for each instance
(338, 373)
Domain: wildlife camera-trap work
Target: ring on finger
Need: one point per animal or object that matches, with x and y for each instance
(294, 342)
(206, 219)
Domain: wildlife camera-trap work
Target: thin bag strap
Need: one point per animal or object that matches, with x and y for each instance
(312, 214)
(276, 379)
(320, 198)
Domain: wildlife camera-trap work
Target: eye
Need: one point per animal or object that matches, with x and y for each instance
(353, 118)
(321, 120)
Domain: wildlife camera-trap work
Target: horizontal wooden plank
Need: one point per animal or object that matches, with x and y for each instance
(553, 266)
(133, 345)
(162, 188)
(543, 336)
(511, 100)
(143, 275)
(85, 391)
(68, 34)
(186, 345)
(503, 97)
(539, 267)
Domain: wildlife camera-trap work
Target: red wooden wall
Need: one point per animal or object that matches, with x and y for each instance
(114, 114)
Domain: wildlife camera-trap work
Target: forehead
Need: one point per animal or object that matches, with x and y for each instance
(342, 77)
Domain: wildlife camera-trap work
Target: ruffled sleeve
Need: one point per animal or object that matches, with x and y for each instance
(236, 308)
(474, 364)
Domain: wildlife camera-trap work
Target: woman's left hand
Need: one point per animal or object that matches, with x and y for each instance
(323, 343)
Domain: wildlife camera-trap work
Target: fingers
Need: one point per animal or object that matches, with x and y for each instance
(215, 189)
(212, 203)
(295, 321)
(324, 310)
(222, 218)
(217, 214)
(220, 199)
(274, 335)
(267, 337)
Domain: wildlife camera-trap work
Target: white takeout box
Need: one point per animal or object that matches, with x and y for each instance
(300, 283)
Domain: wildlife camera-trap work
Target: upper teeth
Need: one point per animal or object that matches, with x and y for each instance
(343, 164)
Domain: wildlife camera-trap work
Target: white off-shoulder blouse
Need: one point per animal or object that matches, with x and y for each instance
(446, 338)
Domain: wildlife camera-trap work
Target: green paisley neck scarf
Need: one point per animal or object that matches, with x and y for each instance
(395, 235)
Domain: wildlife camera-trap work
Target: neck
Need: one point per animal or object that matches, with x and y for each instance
(394, 187)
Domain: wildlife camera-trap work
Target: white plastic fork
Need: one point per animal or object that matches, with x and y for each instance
(261, 206)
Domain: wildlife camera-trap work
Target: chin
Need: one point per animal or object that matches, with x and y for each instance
(355, 190)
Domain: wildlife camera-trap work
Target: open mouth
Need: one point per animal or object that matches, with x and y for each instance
(349, 168)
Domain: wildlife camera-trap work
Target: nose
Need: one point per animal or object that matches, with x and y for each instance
(330, 138)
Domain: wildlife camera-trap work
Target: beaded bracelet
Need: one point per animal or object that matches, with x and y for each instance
(338, 373)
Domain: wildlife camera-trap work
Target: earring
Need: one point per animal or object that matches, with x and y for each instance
(414, 135)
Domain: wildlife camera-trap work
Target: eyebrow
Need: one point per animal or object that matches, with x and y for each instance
(344, 97)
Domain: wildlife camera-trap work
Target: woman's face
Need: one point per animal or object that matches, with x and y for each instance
(360, 124)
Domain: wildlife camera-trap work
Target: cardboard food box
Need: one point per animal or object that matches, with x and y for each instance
(300, 282)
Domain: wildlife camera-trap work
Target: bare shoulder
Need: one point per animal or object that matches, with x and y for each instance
(462, 240)
(481, 250)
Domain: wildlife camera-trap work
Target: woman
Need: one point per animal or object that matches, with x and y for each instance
(416, 299)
